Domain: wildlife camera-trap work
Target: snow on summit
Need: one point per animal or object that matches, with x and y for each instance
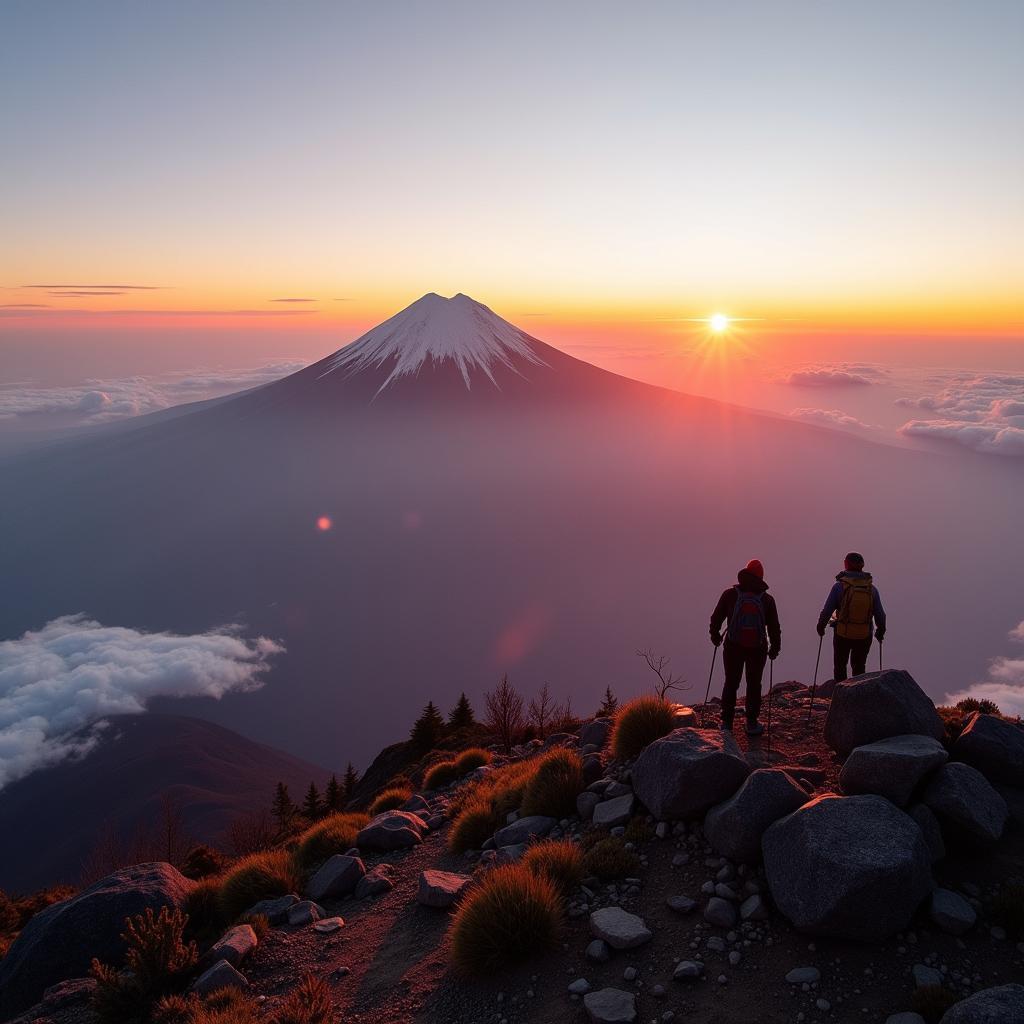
(437, 329)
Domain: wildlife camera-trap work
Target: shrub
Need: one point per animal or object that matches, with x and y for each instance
(474, 757)
(932, 1001)
(259, 876)
(10, 919)
(444, 773)
(559, 860)
(475, 824)
(157, 962)
(554, 786)
(389, 799)
(609, 858)
(205, 916)
(308, 1003)
(228, 1006)
(638, 723)
(512, 915)
(335, 834)
(481, 809)
(1008, 909)
(201, 862)
(986, 707)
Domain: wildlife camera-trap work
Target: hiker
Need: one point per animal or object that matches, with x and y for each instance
(752, 636)
(855, 602)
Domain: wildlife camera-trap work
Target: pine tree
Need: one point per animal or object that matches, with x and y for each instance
(311, 805)
(332, 795)
(282, 808)
(428, 729)
(609, 705)
(348, 785)
(461, 716)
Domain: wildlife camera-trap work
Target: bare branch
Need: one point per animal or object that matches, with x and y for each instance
(659, 665)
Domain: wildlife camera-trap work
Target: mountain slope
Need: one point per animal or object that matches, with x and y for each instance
(53, 818)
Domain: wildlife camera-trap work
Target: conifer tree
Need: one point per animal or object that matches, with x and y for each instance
(348, 785)
(461, 716)
(428, 728)
(311, 805)
(332, 795)
(282, 808)
(609, 704)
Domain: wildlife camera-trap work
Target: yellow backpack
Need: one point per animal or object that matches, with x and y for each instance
(856, 608)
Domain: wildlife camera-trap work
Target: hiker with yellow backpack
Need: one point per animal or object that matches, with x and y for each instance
(855, 602)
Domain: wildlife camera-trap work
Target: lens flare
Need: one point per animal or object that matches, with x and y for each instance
(719, 322)
(324, 523)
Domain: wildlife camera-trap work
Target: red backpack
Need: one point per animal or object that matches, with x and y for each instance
(747, 622)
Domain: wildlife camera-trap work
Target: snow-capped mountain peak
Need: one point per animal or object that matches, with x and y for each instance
(434, 330)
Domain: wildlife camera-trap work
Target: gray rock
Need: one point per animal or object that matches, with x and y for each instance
(951, 912)
(877, 705)
(329, 925)
(220, 976)
(305, 912)
(892, 767)
(610, 1006)
(929, 826)
(905, 1018)
(596, 732)
(720, 913)
(417, 805)
(620, 929)
(337, 876)
(374, 883)
(276, 910)
(233, 946)
(968, 808)
(753, 908)
(580, 987)
(50, 948)
(993, 746)
(392, 830)
(687, 772)
(610, 813)
(688, 970)
(1014, 798)
(1001, 1005)
(925, 976)
(734, 828)
(510, 854)
(524, 829)
(585, 804)
(616, 788)
(593, 768)
(440, 888)
(803, 976)
(680, 904)
(599, 951)
(852, 867)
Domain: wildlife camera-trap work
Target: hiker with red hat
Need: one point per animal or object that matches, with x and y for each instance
(752, 636)
(854, 602)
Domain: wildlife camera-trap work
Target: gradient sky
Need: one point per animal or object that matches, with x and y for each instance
(816, 167)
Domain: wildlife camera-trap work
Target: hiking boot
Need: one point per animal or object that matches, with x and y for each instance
(754, 728)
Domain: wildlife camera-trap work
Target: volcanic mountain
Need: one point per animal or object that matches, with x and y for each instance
(447, 499)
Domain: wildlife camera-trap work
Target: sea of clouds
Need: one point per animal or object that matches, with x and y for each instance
(1005, 683)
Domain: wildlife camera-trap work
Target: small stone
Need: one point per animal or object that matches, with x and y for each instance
(688, 970)
(440, 888)
(720, 913)
(329, 925)
(305, 912)
(925, 977)
(580, 987)
(823, 1004)
(598, 951)
(753, 908)
(220, 976)
(951, 912)
(621, 930)
(680, 904)
(803, 976)
(610, 1006)
(629, 974)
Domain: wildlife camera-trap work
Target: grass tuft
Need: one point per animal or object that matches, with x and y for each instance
(334, 834)
(554, 785)
(389, 799)
(309, 1002)
(558, 860)
(512, 915)
(609, 858)
(260, 876)
(474, 757)
(481, 808)
(639, 723)
(442, 774)
(206, 919)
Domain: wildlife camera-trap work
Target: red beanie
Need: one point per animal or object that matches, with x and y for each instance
(754, 566)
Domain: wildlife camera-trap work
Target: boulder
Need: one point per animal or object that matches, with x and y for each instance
(852, 867)
(993, 746)
(951, 912)
(930, 829)
(968, 808)
(593, 768)
(999, 1005)
(417, 805)
(892, 767)
(610, 1006)
(374, 883)
(878, 705)
(305, 912)
(734, 828)
(275, 910)
(337, 876)
(233, 946)
(440, 888)
(392, 830)
(524, 829)
(220, 976)
(585, 804)
(687, 772)
(618, 811)
(60, 941)
(619, 928)
(596, 732)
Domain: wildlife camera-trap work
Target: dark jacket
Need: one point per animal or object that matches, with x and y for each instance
(835, 596)
(749, 583)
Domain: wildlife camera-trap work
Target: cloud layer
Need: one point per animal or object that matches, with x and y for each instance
(1005, 684)
(829, 377)
(831, 418)
(73, 672)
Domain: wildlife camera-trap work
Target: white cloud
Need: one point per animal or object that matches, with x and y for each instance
(827, 377)
(57, 680)
(97, 401)
(1005, 683)
(1017, 633)
(831, 418)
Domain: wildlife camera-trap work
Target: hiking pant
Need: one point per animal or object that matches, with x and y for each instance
(736, 659)
(853, 651)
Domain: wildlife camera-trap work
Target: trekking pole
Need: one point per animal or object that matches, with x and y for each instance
(771, 685)
(879, 655)
(817, 661)
(704, 708)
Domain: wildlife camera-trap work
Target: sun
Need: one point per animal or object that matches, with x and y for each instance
(718, 322)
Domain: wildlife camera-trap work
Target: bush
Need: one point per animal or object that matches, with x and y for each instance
(474, 757)
(10, 919)
(259, 876)
(389, 799)
(638, 723)
(202, 905)
(475, 824)
(201, 862)
(554, 786)
(986, 707)
(512, 915)
(1008, 909)
(480, 809)
(157, 961)
(932, 1001)
(228, 1006)
(308, 1003)
(444, 773)
(558, 860)
(334, 834)
(609, 858)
